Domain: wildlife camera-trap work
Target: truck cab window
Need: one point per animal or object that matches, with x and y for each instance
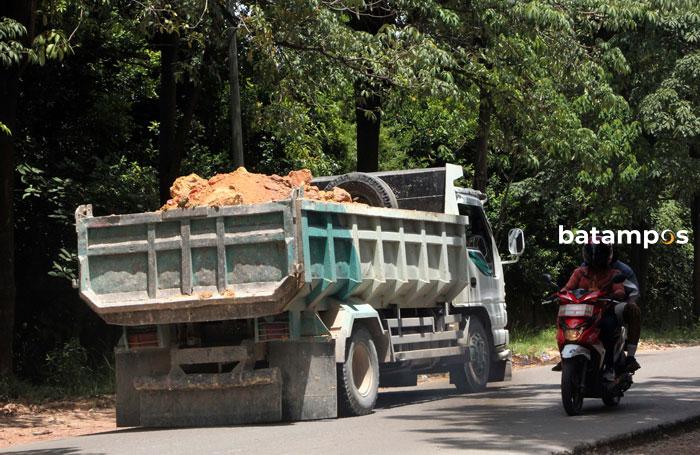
(478, 234)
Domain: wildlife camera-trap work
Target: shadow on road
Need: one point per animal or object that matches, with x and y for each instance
(57, 451)
(530, 417)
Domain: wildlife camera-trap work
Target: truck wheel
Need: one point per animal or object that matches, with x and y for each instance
(473, 375)
(366, 189)
(358, 377)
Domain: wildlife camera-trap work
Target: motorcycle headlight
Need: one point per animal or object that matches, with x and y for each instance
(573, 334)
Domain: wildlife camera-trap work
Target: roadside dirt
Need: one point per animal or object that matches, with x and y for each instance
(22, 423)
(679, 444)
(243, 187)
(682, 439)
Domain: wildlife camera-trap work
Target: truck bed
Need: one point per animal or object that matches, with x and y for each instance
(248, 261)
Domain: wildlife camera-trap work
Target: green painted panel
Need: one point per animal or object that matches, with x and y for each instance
(116, 234)
(256, 262)
(169, 264)
(204, 266)
(119, 273)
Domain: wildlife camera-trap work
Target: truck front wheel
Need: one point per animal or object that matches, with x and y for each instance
(473, 375)
(358, 377)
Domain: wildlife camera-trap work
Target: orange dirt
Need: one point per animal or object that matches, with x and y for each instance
(243, 187)
(24, 423)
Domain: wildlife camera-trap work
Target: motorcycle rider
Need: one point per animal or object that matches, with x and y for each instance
(597, 272)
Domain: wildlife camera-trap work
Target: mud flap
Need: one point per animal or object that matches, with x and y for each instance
(132, 364)
(501, 366)
(308, 372)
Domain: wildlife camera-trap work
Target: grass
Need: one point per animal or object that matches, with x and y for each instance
(533, 342)
(16, 389)
(677, 335)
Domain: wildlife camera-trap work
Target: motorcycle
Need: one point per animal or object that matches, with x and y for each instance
(583, 373)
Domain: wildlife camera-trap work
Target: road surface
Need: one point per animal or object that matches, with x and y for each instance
(523, 416)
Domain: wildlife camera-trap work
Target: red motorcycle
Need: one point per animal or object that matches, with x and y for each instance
(584, 373)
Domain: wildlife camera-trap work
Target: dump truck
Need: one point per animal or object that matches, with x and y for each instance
(298, 309)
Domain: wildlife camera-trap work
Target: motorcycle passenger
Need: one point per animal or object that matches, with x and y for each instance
(597, 273)
(628, 312)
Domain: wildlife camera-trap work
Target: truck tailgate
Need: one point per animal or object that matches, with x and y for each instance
(201, 264)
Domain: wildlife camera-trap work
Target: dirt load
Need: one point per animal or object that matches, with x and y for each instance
(243, 187)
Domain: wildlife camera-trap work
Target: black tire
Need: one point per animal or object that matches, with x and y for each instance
(610, 399)
(473, 375)
(366, 189)
(571, 393)
(358, 377)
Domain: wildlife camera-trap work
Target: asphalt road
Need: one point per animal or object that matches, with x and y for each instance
(522, 416)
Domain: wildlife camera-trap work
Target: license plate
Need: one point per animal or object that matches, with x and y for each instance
(576, 310)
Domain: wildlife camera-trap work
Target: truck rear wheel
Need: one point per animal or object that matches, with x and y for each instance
(358, 377)
(473, 375)
(365, 188)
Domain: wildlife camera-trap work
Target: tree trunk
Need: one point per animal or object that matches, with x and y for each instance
(234, 89)
(167, 164)
(695, 214)
(482, 142)
(639, 262)
(368, 114)
(190, 100)
(24, 13)
(368, 117)
(9, 81)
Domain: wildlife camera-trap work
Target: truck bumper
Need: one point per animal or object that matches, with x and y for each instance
(154, 391)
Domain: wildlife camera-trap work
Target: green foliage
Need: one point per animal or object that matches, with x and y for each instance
(11, 49)
(67, 374)
(594, 121)
(533, 342)
(67, 365)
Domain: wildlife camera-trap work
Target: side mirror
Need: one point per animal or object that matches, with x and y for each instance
(516, 241)
(548, 279)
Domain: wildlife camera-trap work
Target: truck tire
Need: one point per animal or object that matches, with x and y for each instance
(358, 377)
(473, 375)
(366, 189)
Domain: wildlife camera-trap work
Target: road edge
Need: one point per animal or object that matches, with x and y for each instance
(635, 438)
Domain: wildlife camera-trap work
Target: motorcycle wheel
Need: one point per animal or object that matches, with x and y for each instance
(610, 400)
(571, 393)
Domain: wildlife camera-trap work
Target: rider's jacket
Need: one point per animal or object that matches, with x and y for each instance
(585, 277)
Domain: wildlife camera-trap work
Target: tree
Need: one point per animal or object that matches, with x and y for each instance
(170, 30)
(19, 45)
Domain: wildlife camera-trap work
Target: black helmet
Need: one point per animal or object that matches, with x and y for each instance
(597, 254)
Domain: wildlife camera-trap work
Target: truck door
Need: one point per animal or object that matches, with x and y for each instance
(480, 249)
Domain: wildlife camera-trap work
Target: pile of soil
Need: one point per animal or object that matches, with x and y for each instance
(243, 187)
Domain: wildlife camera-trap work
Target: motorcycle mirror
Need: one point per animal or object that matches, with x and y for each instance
(548, 279)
